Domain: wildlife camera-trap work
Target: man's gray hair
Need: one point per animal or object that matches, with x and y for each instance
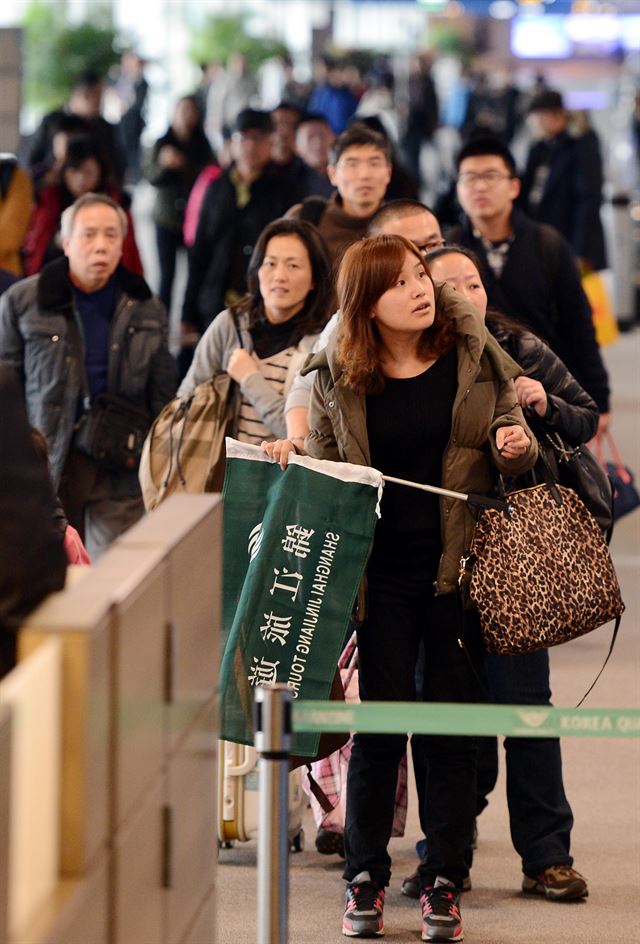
(86, 200)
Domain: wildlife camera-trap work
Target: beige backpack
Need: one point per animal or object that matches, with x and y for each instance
(184, 451)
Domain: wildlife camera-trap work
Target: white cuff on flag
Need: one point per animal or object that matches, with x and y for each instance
(344, 471)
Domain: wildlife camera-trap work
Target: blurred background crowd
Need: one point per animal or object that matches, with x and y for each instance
(145, 107)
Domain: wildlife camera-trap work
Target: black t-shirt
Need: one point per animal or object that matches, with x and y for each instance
(409, 425)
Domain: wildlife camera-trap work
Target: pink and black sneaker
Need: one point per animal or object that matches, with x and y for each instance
(441, 919)
(364, 902)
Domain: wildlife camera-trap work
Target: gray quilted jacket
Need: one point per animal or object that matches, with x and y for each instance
(41, 339)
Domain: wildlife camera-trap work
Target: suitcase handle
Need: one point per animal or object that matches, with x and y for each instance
(240, 770)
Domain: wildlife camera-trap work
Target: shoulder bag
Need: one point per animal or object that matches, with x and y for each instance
(578, 468)
(625, 493)
(112, 432)
(184, 451)
(540, 573)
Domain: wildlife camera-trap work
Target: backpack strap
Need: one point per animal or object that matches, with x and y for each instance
(312, 209)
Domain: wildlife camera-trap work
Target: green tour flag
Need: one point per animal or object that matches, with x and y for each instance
(296, 545)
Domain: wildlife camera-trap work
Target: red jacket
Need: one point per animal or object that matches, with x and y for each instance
(45, 223)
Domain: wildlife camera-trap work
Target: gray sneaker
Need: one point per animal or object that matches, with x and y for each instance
(441, 919)
(364, 904)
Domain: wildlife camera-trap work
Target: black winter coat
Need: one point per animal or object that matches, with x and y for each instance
(174, 186)
(33, 562)
(570, 412)
(540, 288)
(572, 194)
(225, 238)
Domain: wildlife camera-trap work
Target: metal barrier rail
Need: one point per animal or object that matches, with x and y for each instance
(274, 718)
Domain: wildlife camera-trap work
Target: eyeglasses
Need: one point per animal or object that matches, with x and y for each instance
(354, 163)
(434, 243)
(490, 178)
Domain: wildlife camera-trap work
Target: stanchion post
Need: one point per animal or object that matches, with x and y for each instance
(273, 743)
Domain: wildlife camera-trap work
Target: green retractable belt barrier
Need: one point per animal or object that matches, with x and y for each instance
(378, 717)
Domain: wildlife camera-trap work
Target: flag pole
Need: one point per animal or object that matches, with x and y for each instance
(477, 501)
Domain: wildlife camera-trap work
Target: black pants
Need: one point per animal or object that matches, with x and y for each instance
(402, 612)
(539, 813)
(168, 242)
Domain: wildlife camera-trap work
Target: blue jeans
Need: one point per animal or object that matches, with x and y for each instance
(539, 813)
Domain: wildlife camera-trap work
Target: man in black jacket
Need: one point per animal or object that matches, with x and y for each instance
(236, 208)
(88, 342)
(562, 182)
(529, 269)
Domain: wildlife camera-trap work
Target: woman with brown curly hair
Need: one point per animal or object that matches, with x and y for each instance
(414, 386)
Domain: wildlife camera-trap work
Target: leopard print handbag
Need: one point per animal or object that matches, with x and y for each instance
(540, 573)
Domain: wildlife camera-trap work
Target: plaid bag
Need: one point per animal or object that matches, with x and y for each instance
(184, 451)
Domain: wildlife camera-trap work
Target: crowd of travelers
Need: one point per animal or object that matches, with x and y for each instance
(308, 245)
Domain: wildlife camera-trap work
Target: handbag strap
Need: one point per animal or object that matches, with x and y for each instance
(614, 636)
(481, 684)
(563, 451)
(318, 792)
(600, 440)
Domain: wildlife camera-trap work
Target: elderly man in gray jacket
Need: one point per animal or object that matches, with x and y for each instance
(88, 342)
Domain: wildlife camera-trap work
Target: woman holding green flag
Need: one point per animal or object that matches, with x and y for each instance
(414, 386)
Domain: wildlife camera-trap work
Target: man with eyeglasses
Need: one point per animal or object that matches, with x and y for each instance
(529, 269)
(360, 167)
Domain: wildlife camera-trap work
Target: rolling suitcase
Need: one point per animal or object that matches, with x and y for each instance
(238, 785)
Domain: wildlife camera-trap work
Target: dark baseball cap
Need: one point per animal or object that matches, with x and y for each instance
(549, 100)
(251, 119)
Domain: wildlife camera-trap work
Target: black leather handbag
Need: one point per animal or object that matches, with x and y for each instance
(576, 467)
(113, 432)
